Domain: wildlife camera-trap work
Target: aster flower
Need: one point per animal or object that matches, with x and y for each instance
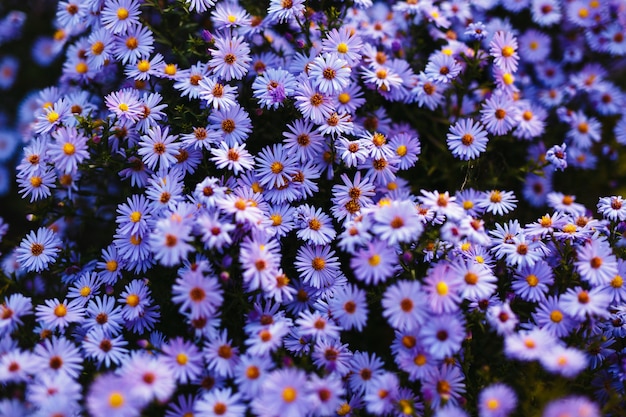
(236, 158)
(345, 43)
(158, 147)
(273, 86)
(59, 314)
(579, 303)
(221, 355)
(531, 283)
(496, 400)
(125, 105)
(231, 58)
(403, 305)
(381, 393)
(118, 16)
(499, 114)
(59, 355)
(281, 11)
(285, 392)
(574, 405)
(477, 31)
(397, 222)
(445, 385)
(38, 249)
(217, 94)
(596, 263)
(102, 313)
(612, 208)
(467, 139)
(498, 202)
(313, 104)
(220, 402)
(375, 263)
(111, 394)
(136, 43)
(566, 361)
(233, 125)
(330, 73)
(442, 68)
(443, 334)
(169, 241)
(503, 48)
(317, 264)
(37, 183)
(12, 309)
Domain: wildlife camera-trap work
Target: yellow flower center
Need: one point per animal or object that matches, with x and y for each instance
(289, 394)
(52, 116)
(342, 48)
(182, 359)
(442, 288)
(122, 13)
(69, 149)
(132, 300)
(374, 260)
(135, 216)
(116, 400)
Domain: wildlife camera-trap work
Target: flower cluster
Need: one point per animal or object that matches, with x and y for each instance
(319, 208)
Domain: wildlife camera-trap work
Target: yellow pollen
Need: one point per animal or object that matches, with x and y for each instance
(508, 78)
(182, 359)
(529, 343)
(374, 260)
(81, 67)
(132, 43)
(493, 404)
(344, 409)
(116, 400)
(123, 107)
(231, 18)
(532, 280)
(465, 246)
(342, 48)
(276, 167)
(69, 149)
(289, 394)
(135, 240)
(85, 291)
(507, 51)
(381, 74)
(277, 219)
(344, 98)
(617, 281)
(97, 48)
(143, 65)
(111, 265)
(447, 51)
(318, 263)
(420, 359)
(583, 13)
(442, 288)
(170, 69)
(60, 310)
(569, 228)
(495, 196)
(36, 181)
(132, 300)
(534, 45)
(122, 13)
(556, 316)
(401, 150)
(407, 408)
(252, 372)
(52, 116)
(135, 216)
(479, 259)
